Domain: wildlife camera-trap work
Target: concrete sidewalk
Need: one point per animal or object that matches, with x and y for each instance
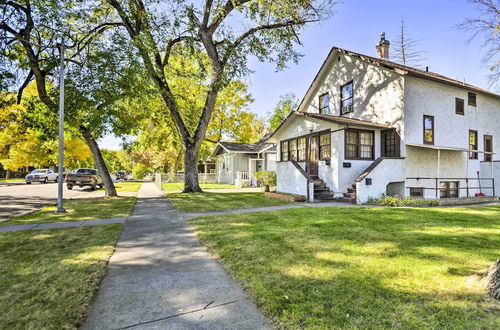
(160, 277)
(62, 224)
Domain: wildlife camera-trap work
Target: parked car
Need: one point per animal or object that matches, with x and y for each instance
(43, 175)
(84, 177)
(121, 175)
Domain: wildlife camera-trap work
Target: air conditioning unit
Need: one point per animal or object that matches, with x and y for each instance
(347, 109)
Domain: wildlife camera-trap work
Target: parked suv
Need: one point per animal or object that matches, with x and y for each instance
(121, 175)
(43, 175)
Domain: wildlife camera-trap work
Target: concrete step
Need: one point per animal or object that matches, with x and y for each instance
(321, 189)
(351, 190)
(350, 195)
(346, 200)
(324, 195)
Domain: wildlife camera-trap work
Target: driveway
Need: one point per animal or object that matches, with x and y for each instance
(22, 198)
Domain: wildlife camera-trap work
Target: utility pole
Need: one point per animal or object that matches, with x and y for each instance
(60, 175)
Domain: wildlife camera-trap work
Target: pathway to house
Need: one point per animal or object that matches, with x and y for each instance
(160, 277)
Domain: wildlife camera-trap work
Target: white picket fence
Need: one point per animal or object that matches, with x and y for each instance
(179, 178)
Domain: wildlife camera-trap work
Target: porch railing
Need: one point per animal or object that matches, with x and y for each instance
(470, 184)
(242, 175)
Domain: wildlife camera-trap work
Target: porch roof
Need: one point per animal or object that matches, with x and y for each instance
(340, 120)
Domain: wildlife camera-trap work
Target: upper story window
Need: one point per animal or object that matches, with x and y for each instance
(325, 146)
(472, 99)
(284, 151)
(359, 144)
(324, 104)
(346, 98)
(459, 106)
(472, 144)
(428, 129)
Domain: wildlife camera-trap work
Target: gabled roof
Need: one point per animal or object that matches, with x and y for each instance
(340, 120)
(401, 69)
(245, 147)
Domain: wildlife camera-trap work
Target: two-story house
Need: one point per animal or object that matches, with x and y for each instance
(368, 126)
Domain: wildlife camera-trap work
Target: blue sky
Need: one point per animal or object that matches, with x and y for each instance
(356, 26)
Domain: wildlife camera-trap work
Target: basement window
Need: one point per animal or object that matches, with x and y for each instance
(417, 192)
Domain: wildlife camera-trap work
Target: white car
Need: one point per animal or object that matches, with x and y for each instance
(41, 175)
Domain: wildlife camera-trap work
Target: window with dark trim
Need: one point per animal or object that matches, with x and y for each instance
(346, 98)
(471, 98)
(488, 147)
(359, 144)
(284, 151)
(472, 144)
(459, 106)
(325, 146)
(293, 149)
(416, 192)
(301, 146)
(428, 129)
(390, 143)
(324, 104)
(449, 189)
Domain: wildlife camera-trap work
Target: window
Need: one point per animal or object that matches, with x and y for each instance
(416, 192)
(359, 144)
(472, 144)
(459, 106)
(390, 143)
(346, 98)
(472, 99)
(284, 151)
(293, 149)
(448, 189)
(324, 146)
(301, 148)
(428, 129)
(324, 104)
(488, 147)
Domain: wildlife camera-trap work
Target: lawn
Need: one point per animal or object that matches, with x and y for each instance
(126, 186)
(79, 209)
(180, 186)
(12, 180)
(48, 278)
(210, 201)
(370, 268)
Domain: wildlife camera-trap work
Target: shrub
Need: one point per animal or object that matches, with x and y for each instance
(266, 178)
(140, 171)
(398, 201)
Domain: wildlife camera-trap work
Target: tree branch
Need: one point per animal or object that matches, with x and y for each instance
(23, 86)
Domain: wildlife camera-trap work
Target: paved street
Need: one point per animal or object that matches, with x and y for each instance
(21, 198)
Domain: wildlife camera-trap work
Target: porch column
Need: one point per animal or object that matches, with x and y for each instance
(438, 174)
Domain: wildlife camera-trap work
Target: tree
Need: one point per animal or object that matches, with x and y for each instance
(288, 102)
(487, 26)
(268, 30)
(405, 48)
(28, 36)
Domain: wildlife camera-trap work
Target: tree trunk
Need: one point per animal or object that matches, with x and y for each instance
(191, 183)
(7, 174)
(109, 187)
(178, 160)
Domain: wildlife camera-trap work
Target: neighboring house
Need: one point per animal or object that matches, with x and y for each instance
(368, 126)
(236, 163)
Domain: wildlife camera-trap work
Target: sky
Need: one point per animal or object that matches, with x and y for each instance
(356, 26)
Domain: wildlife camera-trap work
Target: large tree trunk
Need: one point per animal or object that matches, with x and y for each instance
(109, 186)
(7, 174)
(191, 183)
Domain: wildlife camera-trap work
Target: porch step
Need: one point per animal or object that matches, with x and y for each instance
(321, 191)
(351, 190)
(350, 195)
(351, 200)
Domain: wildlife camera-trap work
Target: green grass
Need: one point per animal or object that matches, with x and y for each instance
(180, 186)
(126, 186)
(48, 278)
(210, 201)
(79, 209)
(373, 268)
(12, 180)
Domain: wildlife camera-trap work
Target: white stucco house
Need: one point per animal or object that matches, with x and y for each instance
(368, 126)
(236, 163)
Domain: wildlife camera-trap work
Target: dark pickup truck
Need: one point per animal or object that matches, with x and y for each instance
(84, 177)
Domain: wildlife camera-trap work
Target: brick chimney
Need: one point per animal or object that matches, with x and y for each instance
(383, 47)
